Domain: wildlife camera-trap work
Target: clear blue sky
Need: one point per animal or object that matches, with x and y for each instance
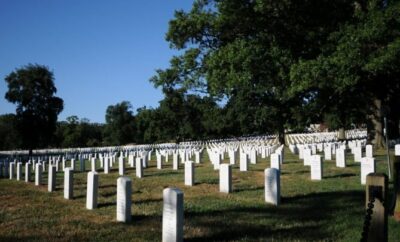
(101, 52)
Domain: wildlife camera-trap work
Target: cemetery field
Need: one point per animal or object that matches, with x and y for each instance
(328, 210)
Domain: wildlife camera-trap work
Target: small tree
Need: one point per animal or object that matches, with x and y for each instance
(120, 124)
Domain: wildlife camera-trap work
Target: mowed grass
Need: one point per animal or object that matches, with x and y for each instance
(327, 210)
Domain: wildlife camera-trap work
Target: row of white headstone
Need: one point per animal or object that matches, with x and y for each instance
(310, 158)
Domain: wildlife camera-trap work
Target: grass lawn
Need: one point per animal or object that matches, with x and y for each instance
(327, 210)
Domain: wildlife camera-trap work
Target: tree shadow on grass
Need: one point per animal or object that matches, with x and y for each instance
(108, 186)
(108, 204)
(109, 194)
(340, 175)
(162, 174)
(303, 217)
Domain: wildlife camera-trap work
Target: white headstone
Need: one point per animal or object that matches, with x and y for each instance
(68, 183)
(172, 219)
(275, 161)
(328, 152)
(51, 184)
(340, 158)
(38, 174)
(397, 150)
(368, 165)
(197, 155)
(124, 199)
(357, 153)
(189, 173)
(19, 171)
(272, 186)
(27, 172)
(369, 151)
(244, 162)
(253, 156)
(121, 166)
(93, 164)
(159, 161)
(307, 157)
(73, 164)
(225, 178)
(91, 192)
(12, 170)
(175, 162)
(63, 163)
(139, 167)
(232, 157)
(131, 160)
(107, 165)
(316, 167)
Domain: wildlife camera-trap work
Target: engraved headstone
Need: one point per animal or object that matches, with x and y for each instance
(272, 186)
(275, 161)
(172, 218)
(189, 173)
(328, 152)
(340, 158)
(225, 178)
(124, 199)
(397, 150)
(368, 165)
(316, 167)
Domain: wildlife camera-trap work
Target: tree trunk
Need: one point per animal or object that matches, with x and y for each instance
(342, 134)
(376, 134)
(281, 136)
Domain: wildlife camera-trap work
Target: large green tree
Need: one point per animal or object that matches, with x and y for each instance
(10, 138)
(32, 89)
(244, 49)
(357, 74)
(120, 124)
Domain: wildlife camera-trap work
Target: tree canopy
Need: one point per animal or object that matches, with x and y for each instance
(32, 89)
(244, 50)
(120, 124)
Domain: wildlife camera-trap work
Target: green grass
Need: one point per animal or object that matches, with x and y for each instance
(327, 210)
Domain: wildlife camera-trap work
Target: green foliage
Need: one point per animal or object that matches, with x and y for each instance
(10, 138)
(32, 89)
(244, 50)
(359, 64)
(79, 133)
(120, 124)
